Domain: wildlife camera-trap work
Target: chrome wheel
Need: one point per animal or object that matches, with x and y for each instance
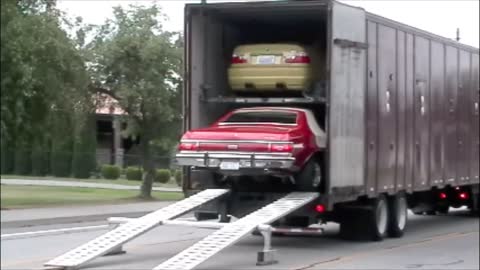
(317, 176)
(398, 217)
(402, 213)
(381, 217)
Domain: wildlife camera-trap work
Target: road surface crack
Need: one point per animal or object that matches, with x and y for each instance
(319, 263)
(420, 265)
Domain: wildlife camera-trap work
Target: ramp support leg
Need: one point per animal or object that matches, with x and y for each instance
(267, 255)
(118, 250)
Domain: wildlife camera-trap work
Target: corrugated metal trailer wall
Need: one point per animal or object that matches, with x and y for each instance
(422, 109)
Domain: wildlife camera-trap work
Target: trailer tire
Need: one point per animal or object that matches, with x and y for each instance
(398, 215)
(366, 222)
(377, 219)
(310, 177)
(351, 225)
(443, 209)
(475, 208)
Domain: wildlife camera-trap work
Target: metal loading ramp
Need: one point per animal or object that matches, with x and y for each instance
(116, 238)
(231, 233)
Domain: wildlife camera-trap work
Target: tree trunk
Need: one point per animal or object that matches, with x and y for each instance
(148, 168)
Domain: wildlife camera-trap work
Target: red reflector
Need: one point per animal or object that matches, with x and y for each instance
(442, 195)
(320, 208)
(187, 147)
(281, 147)
(236, 59)
(463, 195)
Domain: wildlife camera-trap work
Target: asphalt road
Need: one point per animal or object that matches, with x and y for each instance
(432, 242)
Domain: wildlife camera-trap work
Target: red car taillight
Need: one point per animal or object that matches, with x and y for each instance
(282, 148)
(299, 58)
(239, 59)
(188, 147)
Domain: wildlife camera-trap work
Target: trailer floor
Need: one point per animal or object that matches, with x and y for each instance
(432, 242)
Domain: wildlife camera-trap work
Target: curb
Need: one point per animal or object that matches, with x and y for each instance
(67, 220)
(39, 183)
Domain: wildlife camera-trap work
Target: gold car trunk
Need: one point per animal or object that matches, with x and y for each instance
(267, 68)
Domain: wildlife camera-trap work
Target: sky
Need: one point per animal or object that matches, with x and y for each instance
(441, 17)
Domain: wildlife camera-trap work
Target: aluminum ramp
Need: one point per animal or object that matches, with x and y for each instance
(126, 232)
(231, 233)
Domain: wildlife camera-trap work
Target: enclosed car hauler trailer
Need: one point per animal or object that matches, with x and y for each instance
(399, 105)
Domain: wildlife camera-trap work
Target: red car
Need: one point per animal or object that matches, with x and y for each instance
(261, 140)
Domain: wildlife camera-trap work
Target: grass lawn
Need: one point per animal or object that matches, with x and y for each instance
(30, 196)
(90, 180)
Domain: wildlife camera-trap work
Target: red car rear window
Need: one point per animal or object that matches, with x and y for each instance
(249, 117)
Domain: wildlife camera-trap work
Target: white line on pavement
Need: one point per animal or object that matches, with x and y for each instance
(64, 230)
(53, 232)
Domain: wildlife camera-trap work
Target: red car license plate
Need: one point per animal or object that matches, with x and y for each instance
(230, 166)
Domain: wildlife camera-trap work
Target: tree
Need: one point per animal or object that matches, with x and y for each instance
(138, 63)
(42, 73)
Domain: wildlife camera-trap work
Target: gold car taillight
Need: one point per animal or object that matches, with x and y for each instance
(239, 59)
(297, 58)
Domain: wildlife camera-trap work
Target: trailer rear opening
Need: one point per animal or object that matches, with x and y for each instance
(216, 31)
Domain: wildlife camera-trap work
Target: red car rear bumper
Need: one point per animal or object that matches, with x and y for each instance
(234, 161)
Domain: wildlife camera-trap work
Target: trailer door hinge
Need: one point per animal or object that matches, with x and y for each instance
(345, 43)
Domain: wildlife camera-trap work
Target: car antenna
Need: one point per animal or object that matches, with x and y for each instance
(458, 35)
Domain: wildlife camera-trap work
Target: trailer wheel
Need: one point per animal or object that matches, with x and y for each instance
(397, 220)
(310, 178)
(351, 226)
(366, 222)
(443, 209)
(377, 219)
(475, 205)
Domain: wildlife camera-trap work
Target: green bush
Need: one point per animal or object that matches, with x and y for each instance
(111, 172)
(134, 173)
(7, 157)
(62, 145)
(179, 177)
(84, 148)
(61, 163)
(162, 176)
(23, 162)
(83, 164)
(40, 161)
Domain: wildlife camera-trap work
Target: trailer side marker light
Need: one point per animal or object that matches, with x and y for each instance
(320, 208)
(443, 195)
(463, 195)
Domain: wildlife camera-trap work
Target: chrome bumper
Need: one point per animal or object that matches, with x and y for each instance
(245, 160)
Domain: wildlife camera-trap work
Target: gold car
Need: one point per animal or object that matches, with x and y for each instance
(270, 67)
